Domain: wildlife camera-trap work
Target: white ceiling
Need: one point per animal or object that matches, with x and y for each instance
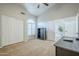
(32, 8)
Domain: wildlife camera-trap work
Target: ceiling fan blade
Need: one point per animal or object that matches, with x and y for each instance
(45, 4)
(38, 6)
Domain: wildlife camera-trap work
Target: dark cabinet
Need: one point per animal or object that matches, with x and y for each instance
(41, 34)
(65, 52)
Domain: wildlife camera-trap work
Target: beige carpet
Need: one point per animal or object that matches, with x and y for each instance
(30, 48)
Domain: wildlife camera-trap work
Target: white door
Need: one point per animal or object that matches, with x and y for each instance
(31, 31)
(12, 30)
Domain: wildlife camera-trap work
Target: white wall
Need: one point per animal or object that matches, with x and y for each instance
(13, 10)
(42, 24)
(31, 18)
(11, 30)
(68, 25)
(57, 12)
(0, 31)
(50, 29)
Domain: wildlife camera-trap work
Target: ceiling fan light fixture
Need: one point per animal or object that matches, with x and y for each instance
(22, 13)
(46, 4)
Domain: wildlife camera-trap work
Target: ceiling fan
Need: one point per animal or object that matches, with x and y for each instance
(46, 4)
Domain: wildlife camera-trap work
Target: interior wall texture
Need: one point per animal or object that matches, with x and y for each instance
(14, 10)
(11, 30)
(60, 10)
(57, 12)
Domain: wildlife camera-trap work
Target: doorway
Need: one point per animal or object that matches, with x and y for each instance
(31, 29)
